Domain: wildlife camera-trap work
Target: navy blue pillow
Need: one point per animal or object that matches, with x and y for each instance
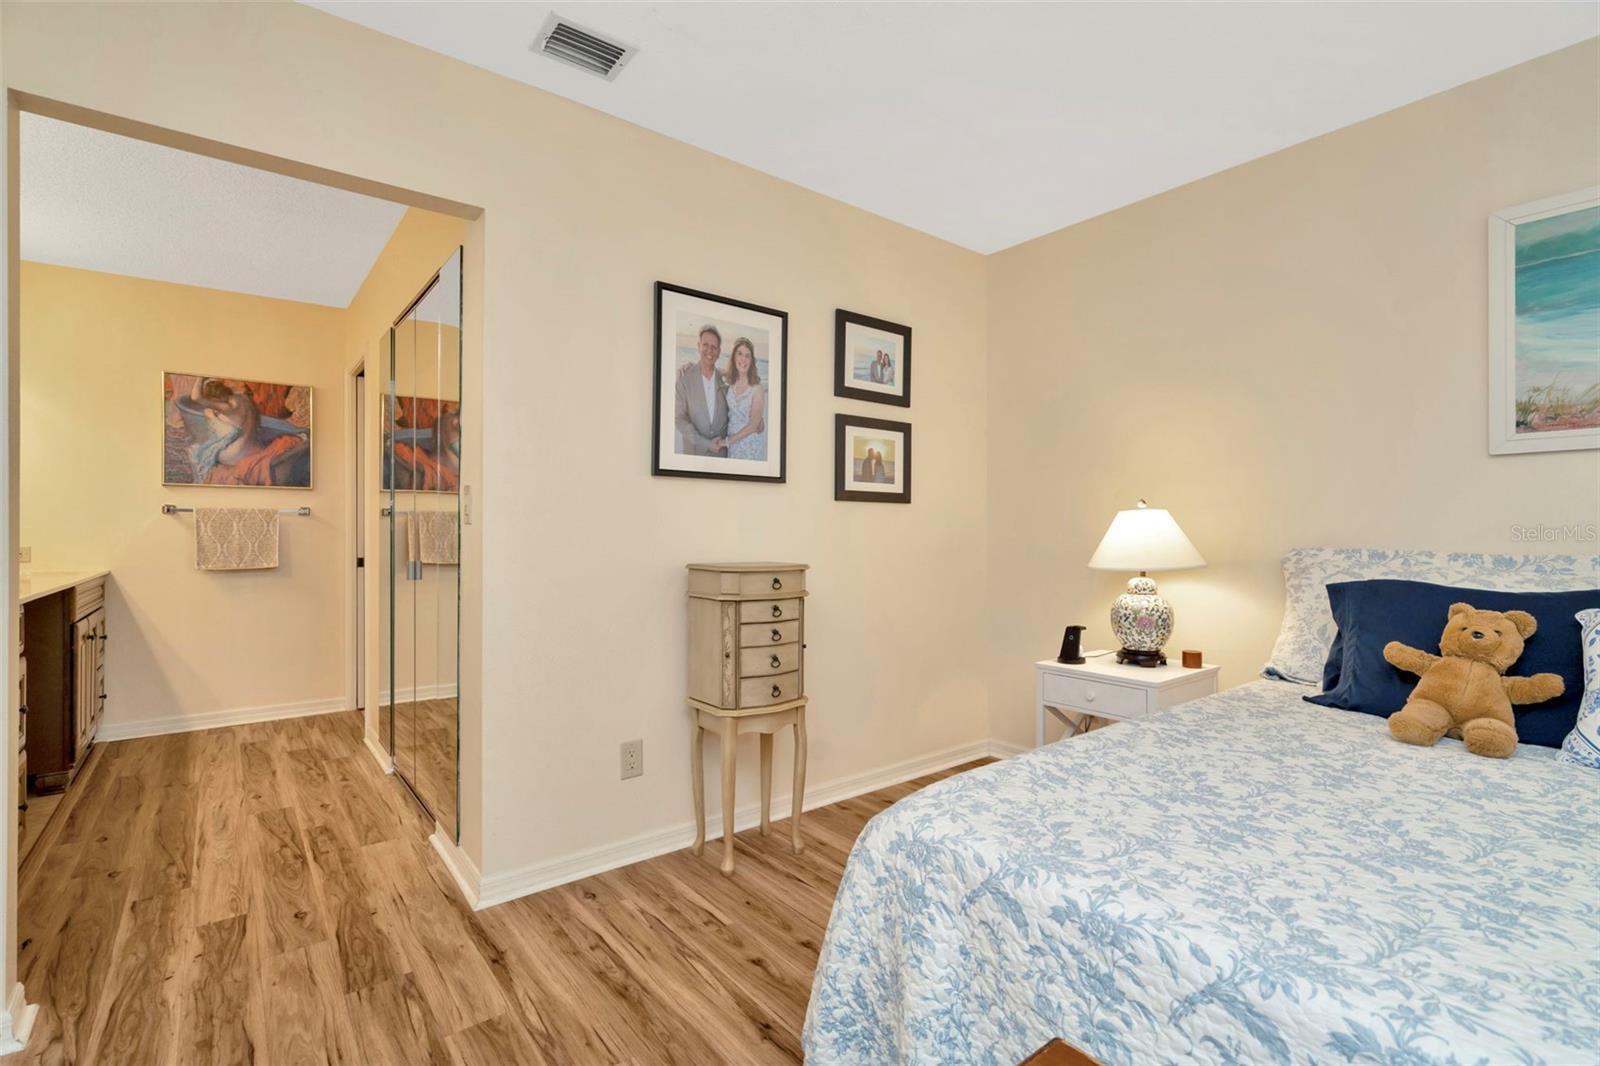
(1372, 613)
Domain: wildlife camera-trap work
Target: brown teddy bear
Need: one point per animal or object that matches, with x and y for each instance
(1464, 693)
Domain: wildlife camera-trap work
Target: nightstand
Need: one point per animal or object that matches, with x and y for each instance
(1104, 688)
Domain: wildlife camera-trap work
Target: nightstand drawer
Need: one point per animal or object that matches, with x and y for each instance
(759, 662)
(763, 633)
(769, 610)
(1099, 698)
(760, 691)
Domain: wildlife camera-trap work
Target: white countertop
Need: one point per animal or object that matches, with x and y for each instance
(37, 584)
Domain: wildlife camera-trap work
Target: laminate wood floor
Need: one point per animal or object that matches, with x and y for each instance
(263, 894)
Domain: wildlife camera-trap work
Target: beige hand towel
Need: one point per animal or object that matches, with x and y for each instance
(437, 541)
(235, 538)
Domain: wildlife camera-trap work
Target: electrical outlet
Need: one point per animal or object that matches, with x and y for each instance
(25, 555)
(632, 759)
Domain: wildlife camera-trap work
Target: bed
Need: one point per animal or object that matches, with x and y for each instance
(1246, 878)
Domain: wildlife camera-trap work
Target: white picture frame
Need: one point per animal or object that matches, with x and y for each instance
(1505, 436)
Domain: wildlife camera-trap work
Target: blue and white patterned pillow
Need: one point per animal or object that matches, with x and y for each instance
(1582, 745)
(1308, 628)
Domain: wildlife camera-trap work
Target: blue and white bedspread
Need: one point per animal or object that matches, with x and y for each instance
(1244, 879)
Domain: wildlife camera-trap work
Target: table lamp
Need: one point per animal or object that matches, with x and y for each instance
(1145, 538)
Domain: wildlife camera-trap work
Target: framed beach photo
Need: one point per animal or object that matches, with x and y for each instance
(871, 359)
(233, 432)
(871, 460)
(721, 374)
(1544, 325)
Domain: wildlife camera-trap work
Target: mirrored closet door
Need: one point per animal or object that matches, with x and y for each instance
(421, 601)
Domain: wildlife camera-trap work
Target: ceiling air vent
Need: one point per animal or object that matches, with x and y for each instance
(567, 41)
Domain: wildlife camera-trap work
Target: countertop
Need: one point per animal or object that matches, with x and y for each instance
(38, 584)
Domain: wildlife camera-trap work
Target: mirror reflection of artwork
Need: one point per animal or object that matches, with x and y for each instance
(426, 456)
(228, 431)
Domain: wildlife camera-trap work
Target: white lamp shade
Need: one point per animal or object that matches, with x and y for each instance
(1145, 538)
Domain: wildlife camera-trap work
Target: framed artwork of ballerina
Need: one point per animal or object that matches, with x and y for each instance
(233, 432)
(721, 371)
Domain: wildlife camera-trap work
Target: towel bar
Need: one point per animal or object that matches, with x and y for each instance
(168, 508)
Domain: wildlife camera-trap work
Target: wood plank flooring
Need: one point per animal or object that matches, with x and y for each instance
(264, 894)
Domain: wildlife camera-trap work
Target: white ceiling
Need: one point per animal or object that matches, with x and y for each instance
(989, 124)
(102, 202)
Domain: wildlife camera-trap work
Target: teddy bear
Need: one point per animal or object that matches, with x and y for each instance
(1464, 692)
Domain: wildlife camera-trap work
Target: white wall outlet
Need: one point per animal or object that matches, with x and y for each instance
(632, 759)
(25, 555)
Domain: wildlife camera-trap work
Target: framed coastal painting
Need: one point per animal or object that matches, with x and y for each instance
(234, 432)
(871, 359)
(721, 373)
(1544, 325)
(871, 460)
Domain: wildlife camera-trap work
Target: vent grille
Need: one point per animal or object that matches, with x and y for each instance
(584, 49)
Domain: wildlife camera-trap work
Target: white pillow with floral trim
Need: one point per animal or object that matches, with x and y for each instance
(1308, 629)
(1582, 745)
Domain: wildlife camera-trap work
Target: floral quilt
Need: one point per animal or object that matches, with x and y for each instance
(1244, 879)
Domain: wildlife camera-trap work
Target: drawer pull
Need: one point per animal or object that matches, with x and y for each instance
(777, 611)
(777, 635)
(776, 662)
(1089, 695)
(777, 690)
(777, 583)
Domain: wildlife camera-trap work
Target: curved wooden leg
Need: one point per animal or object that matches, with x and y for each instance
(766, 783)
(730, 747)
(799, 777)
(697, 773)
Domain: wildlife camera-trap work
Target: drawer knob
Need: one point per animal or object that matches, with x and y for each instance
(777, 691)
(777, 634)
(777, 583)
(777, 612)
(776, 662)
(1089, 696)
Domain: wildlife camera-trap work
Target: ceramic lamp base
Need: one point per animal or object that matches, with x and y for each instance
(1135, 657)
(1141, 621)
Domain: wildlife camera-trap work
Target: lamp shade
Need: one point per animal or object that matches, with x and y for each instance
(1145, 538)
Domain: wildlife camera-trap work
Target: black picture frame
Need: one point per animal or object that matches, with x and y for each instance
(841, 491)
(842, 319)
(662, 290)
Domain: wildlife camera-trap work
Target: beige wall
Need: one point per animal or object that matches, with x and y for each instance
(582, 553)
(184, 642)
(1289, 353)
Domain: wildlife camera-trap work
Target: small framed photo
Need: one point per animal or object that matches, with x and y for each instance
(721, 373)
(872, 460)
(871, 359)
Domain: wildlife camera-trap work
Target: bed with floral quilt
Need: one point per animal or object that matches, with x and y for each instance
(1244, 879)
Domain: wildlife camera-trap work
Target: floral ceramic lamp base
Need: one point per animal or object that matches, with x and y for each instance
(1142, 621)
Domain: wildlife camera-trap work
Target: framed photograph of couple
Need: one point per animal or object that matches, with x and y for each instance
(871, 359)
(721, 371)
(871, 460)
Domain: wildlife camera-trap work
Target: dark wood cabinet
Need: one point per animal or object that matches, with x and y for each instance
(64, 640)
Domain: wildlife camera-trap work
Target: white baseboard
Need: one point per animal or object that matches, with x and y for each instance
(375, 746)
(189, 723)
(461, 867)
(1004, 749)
(17, 1022)
(536, 877)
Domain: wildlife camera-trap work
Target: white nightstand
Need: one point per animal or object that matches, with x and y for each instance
(1104, 688)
